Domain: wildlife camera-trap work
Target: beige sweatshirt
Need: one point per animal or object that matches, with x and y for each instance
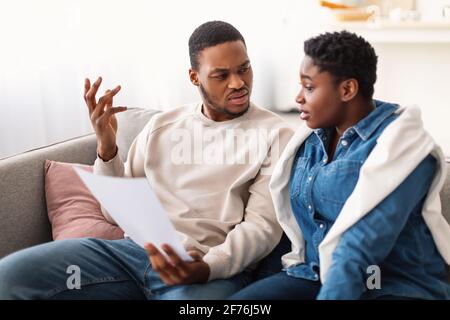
(212, 180)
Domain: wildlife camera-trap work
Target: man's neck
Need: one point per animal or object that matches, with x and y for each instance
(219, 116)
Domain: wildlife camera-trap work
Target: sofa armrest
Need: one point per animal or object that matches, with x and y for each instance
(23, 211)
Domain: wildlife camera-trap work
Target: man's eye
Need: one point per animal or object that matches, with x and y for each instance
(244, 70)
(221, 76)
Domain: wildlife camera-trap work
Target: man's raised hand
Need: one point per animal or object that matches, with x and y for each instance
(103, 119)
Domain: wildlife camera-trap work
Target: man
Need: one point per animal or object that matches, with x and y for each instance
(209, 165)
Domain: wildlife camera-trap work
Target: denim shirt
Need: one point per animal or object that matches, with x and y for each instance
(392, 236)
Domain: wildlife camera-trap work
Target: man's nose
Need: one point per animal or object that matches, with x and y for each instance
(235, 82)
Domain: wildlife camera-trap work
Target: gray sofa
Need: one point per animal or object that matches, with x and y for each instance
(23, 211)
(23, 214)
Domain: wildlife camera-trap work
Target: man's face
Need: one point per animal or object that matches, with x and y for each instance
(320, 102)
(225, 78)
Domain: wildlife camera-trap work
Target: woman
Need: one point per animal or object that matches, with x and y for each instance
(356, 189)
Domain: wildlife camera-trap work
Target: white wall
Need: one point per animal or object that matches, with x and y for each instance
(50, 46)
(418, 74)
(431, 9)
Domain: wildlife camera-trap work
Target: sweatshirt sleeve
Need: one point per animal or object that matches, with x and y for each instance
(133, 167)
(259, 232)
(371, 239)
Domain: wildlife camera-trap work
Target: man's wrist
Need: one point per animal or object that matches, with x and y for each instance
(107, 156)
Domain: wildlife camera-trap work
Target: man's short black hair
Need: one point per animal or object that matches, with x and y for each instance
(211, 34)
(345, 55)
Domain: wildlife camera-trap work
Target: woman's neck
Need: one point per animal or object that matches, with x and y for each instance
(357, 110)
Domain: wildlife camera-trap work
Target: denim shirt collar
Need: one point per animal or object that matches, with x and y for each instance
(367, 126)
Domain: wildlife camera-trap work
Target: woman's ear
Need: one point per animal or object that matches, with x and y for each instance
(193, 76)
(348, 89)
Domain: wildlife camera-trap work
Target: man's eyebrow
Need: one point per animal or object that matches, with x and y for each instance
(226, 69)
(245, 63)
(219, 70)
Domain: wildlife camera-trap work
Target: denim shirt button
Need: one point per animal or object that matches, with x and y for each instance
(344, 143)
(321, 226)
(310, 178)
(309, 207)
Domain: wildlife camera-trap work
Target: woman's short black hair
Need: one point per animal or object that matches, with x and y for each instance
(345, 55)
(211, 34)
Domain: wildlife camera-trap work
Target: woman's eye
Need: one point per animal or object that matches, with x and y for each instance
(308, 88)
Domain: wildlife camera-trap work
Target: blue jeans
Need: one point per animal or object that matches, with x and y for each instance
(109, 269)
(279, 286)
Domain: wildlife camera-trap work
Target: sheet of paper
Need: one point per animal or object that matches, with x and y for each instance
(132, 203)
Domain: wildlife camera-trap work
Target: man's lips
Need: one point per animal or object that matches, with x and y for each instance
(239, 98)
(238, 95)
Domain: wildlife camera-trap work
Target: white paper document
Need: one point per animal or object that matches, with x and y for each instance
(132, 203)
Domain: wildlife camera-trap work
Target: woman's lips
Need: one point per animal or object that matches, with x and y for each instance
(304, 115)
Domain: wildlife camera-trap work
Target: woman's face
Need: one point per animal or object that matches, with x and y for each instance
(319, 98)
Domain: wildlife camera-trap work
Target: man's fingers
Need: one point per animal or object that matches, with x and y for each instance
(100, 107)
(161, 265)
(159, 262)
(90, 94)
(195, 255)
(107, 98)
(175, 259)
(109, 112)
(151, 250)
(109, 102)
(87, 86)
(103, 120)
(167, 279)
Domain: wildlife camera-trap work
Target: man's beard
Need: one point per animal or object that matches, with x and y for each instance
(219, 108)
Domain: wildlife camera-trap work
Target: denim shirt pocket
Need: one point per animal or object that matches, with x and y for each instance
(337, 180)
(297, 176)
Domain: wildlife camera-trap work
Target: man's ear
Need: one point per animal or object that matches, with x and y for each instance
(348, 89)
(193, 76)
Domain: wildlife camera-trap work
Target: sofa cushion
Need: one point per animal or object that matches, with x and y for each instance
(130, 123)
(72, 210)
(23, 214)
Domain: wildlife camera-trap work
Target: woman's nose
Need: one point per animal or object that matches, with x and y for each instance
(300, 99)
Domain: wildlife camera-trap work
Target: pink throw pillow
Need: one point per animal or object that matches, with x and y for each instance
(72, 209)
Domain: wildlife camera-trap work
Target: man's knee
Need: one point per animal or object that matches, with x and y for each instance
(27, 273)
(15, 272)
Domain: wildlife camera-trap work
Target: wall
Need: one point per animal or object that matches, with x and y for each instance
(50, 46)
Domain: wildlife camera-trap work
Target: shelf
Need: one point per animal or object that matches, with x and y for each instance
(386, 31)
